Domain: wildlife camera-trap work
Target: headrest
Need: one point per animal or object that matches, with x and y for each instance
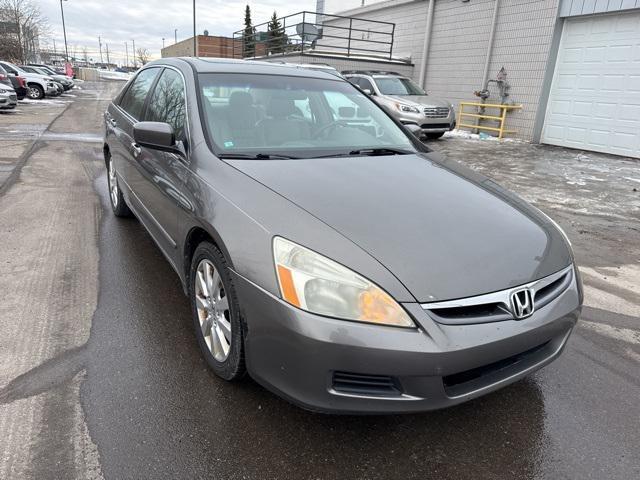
(280, 107)
(240, 99)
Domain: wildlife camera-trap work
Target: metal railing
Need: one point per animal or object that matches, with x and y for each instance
(480, 114)
(304, 32)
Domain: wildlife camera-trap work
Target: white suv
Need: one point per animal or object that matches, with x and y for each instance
(37, 85)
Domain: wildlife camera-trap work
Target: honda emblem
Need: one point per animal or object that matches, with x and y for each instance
(522, 303)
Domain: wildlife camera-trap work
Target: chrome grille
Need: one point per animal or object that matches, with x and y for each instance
(436, 112)
(496, 307)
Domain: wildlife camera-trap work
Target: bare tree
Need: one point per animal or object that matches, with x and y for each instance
(143, 56)
(24, 23)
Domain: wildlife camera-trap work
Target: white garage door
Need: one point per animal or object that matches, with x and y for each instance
(594, 103)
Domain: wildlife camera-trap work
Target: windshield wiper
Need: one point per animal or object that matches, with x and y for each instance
(380, 151)
(257, 156)
(369, 152)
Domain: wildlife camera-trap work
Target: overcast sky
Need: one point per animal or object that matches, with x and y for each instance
(148, 21)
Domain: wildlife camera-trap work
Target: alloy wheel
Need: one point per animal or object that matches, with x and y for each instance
(34, 93)
(113, 184)
(212, 305)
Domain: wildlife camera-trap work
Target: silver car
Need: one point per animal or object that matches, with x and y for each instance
(325, 250)
(406, 101)
(8, 97)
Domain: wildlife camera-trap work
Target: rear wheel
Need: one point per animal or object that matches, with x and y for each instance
(35, 91)
(434, 136)
(118, 204)
(216, 314)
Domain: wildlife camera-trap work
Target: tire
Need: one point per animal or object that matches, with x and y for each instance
(35, 91)
(215, 311)
(434, 136)
(118, 203)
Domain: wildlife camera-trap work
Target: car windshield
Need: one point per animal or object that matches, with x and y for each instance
(41, 71)
(300, 117)
(398, 86)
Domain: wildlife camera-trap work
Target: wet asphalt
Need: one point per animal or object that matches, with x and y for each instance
(154, 410)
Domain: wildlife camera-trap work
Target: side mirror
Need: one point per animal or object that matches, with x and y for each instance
(367, 91)
(156, 135)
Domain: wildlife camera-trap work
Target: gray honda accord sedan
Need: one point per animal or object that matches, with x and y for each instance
(324, 249)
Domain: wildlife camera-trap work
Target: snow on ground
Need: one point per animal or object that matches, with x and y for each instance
(475, 136)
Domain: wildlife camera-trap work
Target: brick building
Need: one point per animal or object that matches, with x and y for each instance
(209, 46)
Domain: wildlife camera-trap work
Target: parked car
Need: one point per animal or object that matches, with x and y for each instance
(17, 83)
(37, 85)
(8, 97)
(406, 101)
(346, 267)
(65, 81)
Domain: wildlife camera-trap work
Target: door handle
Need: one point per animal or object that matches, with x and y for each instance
(136, 150)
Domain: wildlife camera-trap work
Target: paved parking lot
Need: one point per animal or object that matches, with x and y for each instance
(100, 376)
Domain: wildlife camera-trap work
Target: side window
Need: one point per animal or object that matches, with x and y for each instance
(10, 70)
(366, 85)
(133, 100)
(167, 103)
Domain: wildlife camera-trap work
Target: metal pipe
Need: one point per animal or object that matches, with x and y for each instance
(494, 21)
(64, 31)
(427, 41)
(195, 47)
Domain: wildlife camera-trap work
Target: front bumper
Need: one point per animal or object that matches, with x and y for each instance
(427, 124)
(52, 90)
(297, 354)
(8, 101)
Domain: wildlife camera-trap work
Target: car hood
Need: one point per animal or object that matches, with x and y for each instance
(424, 100)
(444, 231)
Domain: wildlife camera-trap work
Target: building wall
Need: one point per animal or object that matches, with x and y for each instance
(458, 46)
(183, 48)
(221, 47)
(522, 44)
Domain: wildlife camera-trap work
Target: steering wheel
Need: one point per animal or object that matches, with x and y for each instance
(328, 127)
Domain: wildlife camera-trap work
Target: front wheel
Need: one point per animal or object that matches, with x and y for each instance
(35, 92)
(216, 313)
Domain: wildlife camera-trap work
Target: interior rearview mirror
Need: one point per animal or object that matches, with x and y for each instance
(156, 135)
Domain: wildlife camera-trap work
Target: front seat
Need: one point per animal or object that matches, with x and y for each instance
(280, 127)
(242, 117)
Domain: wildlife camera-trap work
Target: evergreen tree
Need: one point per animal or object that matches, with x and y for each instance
(249, 37)
(275, 35)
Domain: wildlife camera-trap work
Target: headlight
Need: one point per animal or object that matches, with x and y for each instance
(316, 284)
(407, 108)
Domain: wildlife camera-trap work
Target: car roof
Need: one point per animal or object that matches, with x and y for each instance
(230, 65)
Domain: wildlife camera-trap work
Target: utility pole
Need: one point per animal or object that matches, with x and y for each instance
(195, 48)
(100, 44)
(175, 34)
(126, 49)
(135, 60)
(64, 31)
(108, 62)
